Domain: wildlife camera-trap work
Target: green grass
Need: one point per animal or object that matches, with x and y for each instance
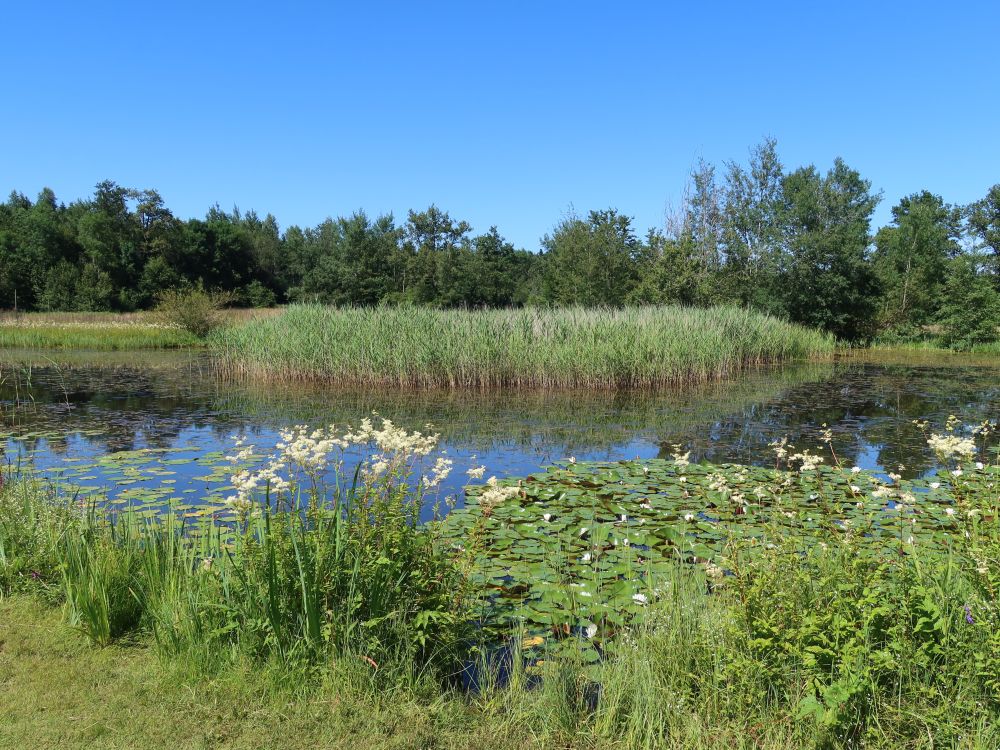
(557, 348)
(96, 331)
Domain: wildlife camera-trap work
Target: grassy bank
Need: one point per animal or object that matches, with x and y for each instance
(95, 331)
(622, 605)
(558, 348)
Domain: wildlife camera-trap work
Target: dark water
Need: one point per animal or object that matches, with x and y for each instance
(156, 425)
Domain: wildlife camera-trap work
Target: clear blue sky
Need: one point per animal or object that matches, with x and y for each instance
(504, 113)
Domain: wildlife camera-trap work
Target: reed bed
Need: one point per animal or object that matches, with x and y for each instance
(637, 347)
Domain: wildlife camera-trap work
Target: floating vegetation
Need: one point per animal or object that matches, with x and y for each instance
(588, 546)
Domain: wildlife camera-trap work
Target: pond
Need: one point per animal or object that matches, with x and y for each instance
(152, 427)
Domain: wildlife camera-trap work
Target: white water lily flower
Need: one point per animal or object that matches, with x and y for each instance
(547, 516)
(689, 516)
(583, 531)
(949, 511)
(957, 473)
(855, 488)
(935, 485)
(640, 598)
(980, 465)
(586, 557)
(855, 469)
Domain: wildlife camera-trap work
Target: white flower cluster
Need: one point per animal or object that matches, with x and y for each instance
(496, 495)
(807, 461)
(440, 472)
(392, 439)
(948, 446)
(680, 459)
(309, 450)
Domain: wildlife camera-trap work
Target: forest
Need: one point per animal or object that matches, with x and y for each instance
(796, 243)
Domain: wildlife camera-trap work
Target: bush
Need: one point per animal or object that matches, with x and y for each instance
(193, 310)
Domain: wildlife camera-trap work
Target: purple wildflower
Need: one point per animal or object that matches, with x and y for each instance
(968, 614)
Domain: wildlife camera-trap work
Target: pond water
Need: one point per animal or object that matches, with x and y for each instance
(154, 426)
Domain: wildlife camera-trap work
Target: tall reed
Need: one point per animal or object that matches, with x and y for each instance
(551, 348)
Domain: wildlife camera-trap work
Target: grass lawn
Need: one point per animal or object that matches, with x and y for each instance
(57, 691)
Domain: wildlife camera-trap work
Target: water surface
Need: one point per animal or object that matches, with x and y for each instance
(155, 426)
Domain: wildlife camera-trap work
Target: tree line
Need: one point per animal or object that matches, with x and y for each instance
(796, 243)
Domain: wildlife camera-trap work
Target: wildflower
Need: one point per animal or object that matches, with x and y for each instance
(855, 489)
(957, 473)
(640, 598)
(968, 615)
(714, 572)
(826, 435)
(780, 448)
(590, 631)
(206, 564)
(476, 473)
(689, 517)
(949, 511)
(440, 472)
(808, 462)
(680, 459)
(949, 446)
(855, 469)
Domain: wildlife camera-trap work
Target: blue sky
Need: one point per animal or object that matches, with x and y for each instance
(500, 113)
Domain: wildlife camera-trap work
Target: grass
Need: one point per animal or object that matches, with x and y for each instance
(96, 331)
(104, 331)
(806, 616)
(552, 348)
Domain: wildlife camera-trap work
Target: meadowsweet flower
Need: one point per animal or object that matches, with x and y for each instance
(440, 472)
(952, 446)
(680, 459)
(476, 473)
(780, 448)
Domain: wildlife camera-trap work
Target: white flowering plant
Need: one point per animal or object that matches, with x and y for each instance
(334, 560)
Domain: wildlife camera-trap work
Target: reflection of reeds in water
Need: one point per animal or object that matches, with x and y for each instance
(530, 348)
(565, 420)
(16, 396)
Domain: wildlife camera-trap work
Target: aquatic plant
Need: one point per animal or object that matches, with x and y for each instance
(550, 348)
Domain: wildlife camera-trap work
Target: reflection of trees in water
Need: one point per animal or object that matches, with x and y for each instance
(869, 408)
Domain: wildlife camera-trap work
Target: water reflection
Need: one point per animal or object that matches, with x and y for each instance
(78, 406)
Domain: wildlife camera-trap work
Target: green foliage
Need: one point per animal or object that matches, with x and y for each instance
(911, 258)
(970, 314)
(601, 348)
(795, 244)
(194, 310)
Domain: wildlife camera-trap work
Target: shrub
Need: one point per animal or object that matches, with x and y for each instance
(193, 310)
